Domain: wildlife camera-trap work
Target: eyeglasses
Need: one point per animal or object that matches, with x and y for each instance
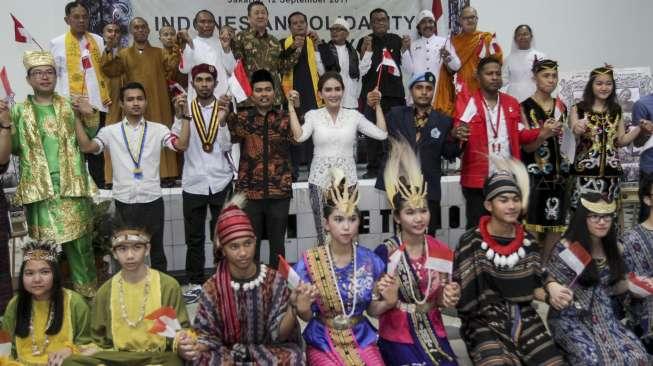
(40, 73)
(595, 218)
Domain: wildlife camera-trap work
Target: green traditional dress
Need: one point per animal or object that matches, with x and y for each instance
(75, 329)
(119, 329)
(54, 185)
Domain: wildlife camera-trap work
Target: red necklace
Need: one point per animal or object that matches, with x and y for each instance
(503, 255)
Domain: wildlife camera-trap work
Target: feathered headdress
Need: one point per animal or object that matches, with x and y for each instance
(510, 176)
(41, 250)
(338, 194)
(403, 176)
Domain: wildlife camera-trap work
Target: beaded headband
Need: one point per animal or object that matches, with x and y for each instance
(338, 194)
(44, 251)
(600, 207)
(129, 236)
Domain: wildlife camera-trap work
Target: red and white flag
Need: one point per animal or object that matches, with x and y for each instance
(640, 286)
(440, 259)
(389, 63)
(465, 108)
(394, 259)
(239, 82)
(559, 108)
(7, 92)
(165, 322)
(5, 345)
(175, 88)
(576, 257)
(287, 272)
(494, 46)
(20, 33)
(86, 59)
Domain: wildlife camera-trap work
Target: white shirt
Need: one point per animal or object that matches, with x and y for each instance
(352, 86)
(204, 172)
(498, 147)
(208, 51)
(58, 49)
(334, 142)
(517, 73)
(126, 188)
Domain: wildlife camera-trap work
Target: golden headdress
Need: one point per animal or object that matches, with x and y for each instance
(130, 236)
(37, 58)
(607, 69)
(596, 204)
(339, 195)
(41, 250)
(403, 177)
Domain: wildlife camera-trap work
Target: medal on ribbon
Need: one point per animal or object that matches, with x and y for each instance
(137, 171)
(207, 137)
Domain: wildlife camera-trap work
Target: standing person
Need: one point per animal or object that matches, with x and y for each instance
(206, 181)
(135, 145)
(499, 269)
(46, 322)
(119, 327)
(547, 167)
(172, 56)
(340, 56)
(111, 34)
(6, 290)
(303, 78)
(430, 53)
(489, 127)
(588, 331)
(517, 67)
(391, 86)
(471, 46)
(333, 130)
(54, 185)
(77, 54)
(638, 258)
(260, 50)
(264, 172)
(413, 332)
(207, 48)
(643, 116)
(599, 129)
(428, 133)
(244, 315)
(145, 64)
(343, 280)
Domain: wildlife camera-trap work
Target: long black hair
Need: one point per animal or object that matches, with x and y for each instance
(579, 232)
(645, 186)
(24, 303)
(588, 93)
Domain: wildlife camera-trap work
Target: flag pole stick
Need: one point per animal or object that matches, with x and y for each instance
(378, 78)
(36, 42)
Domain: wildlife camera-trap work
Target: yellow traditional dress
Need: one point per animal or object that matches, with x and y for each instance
(148, 68)
(75, 329)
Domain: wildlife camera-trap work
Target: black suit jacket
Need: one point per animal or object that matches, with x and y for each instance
(434, 145)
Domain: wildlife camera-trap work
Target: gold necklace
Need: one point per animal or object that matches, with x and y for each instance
(123, 306)
(35, 347)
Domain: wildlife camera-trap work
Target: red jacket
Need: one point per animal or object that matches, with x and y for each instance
(475, 163)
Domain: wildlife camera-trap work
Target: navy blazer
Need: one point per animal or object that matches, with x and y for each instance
(435, 144)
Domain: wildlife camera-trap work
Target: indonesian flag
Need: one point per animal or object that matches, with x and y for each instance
(389, 62)
(86, 59)
(7, 92)
(559, 107)
(239, 82)
(5, 343)
(395, 258)
(20, 33)
(440, 259)
(639, 286)
(465, 108)
(576, 257)
(288, 273)
(483, 51)
(494, 46)
(165, 322)
(175, 88)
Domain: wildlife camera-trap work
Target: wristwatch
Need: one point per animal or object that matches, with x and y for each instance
(186, 116)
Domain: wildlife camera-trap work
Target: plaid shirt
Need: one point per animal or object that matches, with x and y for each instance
(265, 169)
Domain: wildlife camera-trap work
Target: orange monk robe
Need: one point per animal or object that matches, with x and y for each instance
(149, 69)
(171, 58)
(469, 47)
(114, 115)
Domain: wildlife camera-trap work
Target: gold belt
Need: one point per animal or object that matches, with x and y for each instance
(414, 308)
(341, 322)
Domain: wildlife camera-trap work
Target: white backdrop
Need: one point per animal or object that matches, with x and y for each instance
(580, 34)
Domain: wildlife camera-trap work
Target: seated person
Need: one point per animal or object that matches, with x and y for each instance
(44, 320)
(119, 328)
(243, 317)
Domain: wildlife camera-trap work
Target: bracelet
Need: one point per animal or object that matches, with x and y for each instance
(188, 117)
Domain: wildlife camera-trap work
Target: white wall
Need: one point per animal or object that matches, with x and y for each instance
(579, 34)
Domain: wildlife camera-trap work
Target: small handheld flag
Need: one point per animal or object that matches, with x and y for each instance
(288, 273)
(440, 259)
(576, 258)
(239, 82)
(394, 259)
(165, 322)
(639, 286)
(20, 33)
(6, 94)
(390, 65)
